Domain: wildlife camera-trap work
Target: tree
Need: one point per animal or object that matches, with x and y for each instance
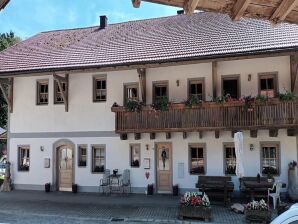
(6, 40)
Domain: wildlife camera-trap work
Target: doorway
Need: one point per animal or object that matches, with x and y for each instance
(64, 168)
(164, 171)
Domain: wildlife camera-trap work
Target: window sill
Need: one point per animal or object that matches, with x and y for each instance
(134, 167)
(42, 104)
(196, 174)
(24, 171)
(99, 101)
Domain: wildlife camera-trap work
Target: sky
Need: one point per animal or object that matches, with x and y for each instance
(29, 17)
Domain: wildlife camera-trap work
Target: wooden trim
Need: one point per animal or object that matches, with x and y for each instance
(130, 154)
(58, 82)
(190, 6)
(130, 85)
(94, 79)
(273, 75)
(101, 146)
(294, 72)
(38, 83)
(6, 86)
(270, 144)
(214, 79)
(231, 77)
(79, 147)
(283, 10)
(198, 145)
(142, 83)
(200, 80)
(239, 9)
(159, 83)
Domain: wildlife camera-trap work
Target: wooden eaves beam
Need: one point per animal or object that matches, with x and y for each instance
(283, 10)
(60, 80)
(239, 9)
(136, 3)
(6, 86)
(190, 6)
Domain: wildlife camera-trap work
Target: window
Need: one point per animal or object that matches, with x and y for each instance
(57, 92)
(197, 159)
(160, 90)
(42, 92)
(196, 89)
(131, 92)
(230, 86)
(268, 85)
(98, 159)
(135, 155)
(270, 158)
(24, 158)
(99, 89)
(82, 155)
(230, 159)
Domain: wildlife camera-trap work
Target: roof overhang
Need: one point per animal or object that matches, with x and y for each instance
(3, 3)
(273, 10)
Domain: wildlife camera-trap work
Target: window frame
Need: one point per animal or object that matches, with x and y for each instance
(40, 82)
(199, 80)
(56, 86)
(228, 145)
(270, 144)
(197, 145)
(92, 158)
(266, 75)
(231, 77)
(27, 147)
(130, 154)
(159, 83)
(95, 78)
(130, 85)
(80, 147)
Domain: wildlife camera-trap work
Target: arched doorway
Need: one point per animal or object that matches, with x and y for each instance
(64, 165)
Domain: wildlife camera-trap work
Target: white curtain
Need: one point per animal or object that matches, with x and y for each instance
(238, 140)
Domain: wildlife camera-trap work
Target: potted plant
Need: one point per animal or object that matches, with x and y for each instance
(287, 96)
(47, 187)
(176, 190)
(150, 189)
(161, 104)
(74, 188)
(192, 101)
(257, 211)
(134, 106)
(193, 205)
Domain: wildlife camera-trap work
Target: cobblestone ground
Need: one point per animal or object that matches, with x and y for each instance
(39, 207)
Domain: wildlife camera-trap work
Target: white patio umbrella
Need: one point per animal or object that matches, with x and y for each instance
(238, 140)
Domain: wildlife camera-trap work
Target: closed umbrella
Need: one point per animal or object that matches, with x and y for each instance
(238, 140)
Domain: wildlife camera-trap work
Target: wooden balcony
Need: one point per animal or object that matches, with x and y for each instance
(273, 114)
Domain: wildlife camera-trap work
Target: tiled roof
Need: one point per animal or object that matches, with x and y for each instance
(180, 37)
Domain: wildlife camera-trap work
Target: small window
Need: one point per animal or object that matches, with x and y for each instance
(197, 159)
(268, 86)
(24, 158)
(42, 92)
(230, 159)
(98, 159)
(135, 155)
(131, 92)
(99, 89)
(230, 86)
(82, 155)
(58, 98)
(160, 90)
(196, 89)
(270, 158)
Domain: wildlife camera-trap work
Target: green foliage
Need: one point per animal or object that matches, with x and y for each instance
(287, 96)
(261, 99)
(221, 99)
(134, 106)
(192, 101)
(161, 104)
(6, 40)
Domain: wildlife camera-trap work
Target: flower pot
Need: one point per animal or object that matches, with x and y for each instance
(74, 188)
(175, 190)
(150, 189)
(47, 187)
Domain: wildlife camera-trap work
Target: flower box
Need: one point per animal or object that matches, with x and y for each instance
(197, 212)
(263, 216)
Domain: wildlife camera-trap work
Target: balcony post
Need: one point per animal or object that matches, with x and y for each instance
(214, 79)
(142, 80)
(294, 71)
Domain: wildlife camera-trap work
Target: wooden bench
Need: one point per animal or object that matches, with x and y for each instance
(216, 186)
(259, 192)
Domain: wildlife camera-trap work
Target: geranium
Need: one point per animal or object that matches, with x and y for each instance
(257, 205)
(193, 199)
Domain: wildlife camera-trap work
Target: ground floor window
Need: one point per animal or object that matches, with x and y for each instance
(230, 159)
(24, 158)
(197, 159)
(270, 153)
(135, 155)
(82, 155)
(98, 159)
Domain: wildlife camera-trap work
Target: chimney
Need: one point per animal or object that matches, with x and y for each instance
(103, 22)
(180, 12)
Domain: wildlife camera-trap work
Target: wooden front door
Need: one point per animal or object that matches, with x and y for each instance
(65, 160)
(164, 167)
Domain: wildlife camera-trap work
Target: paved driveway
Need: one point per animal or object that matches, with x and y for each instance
(56, 207)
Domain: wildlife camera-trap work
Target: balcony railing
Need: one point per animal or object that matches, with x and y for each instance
(208, 117)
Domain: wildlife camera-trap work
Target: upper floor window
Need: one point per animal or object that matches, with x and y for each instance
(131, 92)
(270, 158)
(82, 155)
(99, 89)
(135, 155)
(231, 86)
(230, 159)
(24, 158)
(197, 159)
(196, 89)
(98, 159)
(58, 98)
(268, 85)
(42, 92)
(160, 90)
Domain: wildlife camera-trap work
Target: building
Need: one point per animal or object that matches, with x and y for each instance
(73, 135)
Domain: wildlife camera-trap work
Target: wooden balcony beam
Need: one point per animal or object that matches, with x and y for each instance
(137, 136)
(294, 72)
(239, 9)
(168, 135)
(136, 3)
(201, 134)
(152, 135)
(214, 79)
(123, 136)
(283, 10)
(216, 134)
(253, 133)
(6, 86)
(60, 80)
(142, 83)
(184, 135)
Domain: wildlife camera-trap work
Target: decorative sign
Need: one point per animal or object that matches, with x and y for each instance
(147, 175)
(146, 163)
(47, 163)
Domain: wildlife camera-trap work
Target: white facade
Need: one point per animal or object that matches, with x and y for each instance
(91, 123)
